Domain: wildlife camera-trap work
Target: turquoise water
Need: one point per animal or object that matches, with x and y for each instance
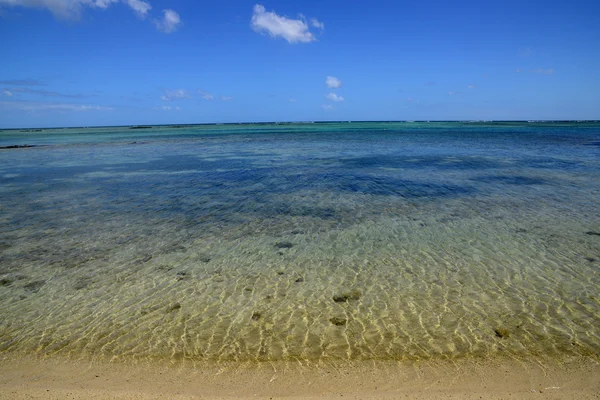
(301, 241)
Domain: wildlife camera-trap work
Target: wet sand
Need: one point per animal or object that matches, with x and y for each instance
(575, 378)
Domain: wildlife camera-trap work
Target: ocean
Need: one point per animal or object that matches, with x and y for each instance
(313, 241)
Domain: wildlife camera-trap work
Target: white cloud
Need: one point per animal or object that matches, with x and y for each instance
(292, 30)
(65, 9)
(472, 86)
(71, 9)
(327, 107)
(543, 71)
(169, 22)
(175, 94)
(39, 106)
(317, 24)
(452, 93)
(334, 97)
(332, 82)
(291, 100)
(140, 7)
(7, 93)
(518, 70)
(226, 98)
(205, 95)
(46, 93)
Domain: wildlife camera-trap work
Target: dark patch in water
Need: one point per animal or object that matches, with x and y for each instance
(82, 283)
(337, 321)
(17, 146)
(501, 332)
(384, 186)
(592, 233)
(352, 295)
(420, 162)
(510, 180)
(34, 286)
(284, 245)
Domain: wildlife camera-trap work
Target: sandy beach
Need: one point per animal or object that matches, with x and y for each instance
(28, 378)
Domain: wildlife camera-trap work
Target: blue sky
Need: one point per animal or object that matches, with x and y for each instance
(115, 62)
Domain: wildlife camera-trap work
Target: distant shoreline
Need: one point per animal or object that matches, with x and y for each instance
(174, 126)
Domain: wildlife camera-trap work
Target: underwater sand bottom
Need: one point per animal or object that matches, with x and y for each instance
(509, 378)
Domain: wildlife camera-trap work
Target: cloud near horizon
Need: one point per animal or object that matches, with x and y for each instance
(175, 94)
(205, 95)
(292, 30)
(45, 93)
(22, 82)
(41, 106)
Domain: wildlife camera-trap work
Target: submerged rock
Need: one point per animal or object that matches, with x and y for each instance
(301, 279)
(345, 297)
(204, 258)
(5, 281)
(256, 315)
(284, 245)
(592, 233)
(502, 332)
(337, 321)
(82, 283)
(173, 307)
(34, 286)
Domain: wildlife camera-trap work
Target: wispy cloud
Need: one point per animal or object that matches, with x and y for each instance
(226, 98)
(327, 107)
(524, 51)
(22, 82)
(169, 22)
(139, 6)
(317, 24)
(429, 83)
(72, 9)
(472, 86)
(292, 100)
(46, 93)
(453, 93)
(334, 97)
(205, 95)
(332, 82)
(292, 30)
(543, 71)
(175, 94)
(518, 70)
(41, 106)
(7, 93)
(167, 108)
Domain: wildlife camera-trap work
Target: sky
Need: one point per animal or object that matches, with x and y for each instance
(129, 62)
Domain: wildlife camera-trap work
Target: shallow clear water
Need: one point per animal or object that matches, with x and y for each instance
(308, 241)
